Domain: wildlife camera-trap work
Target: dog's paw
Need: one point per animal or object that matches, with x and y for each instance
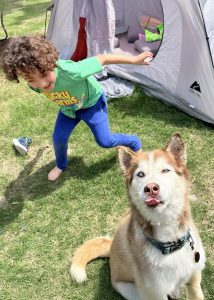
(195, 293)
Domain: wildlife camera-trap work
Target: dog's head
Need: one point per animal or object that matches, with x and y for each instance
(156, 180)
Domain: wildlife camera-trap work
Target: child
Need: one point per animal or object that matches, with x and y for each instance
(70, 85)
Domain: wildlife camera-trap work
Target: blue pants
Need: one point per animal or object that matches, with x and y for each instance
(96, 117)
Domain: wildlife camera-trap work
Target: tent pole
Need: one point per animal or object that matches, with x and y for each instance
(3, 27)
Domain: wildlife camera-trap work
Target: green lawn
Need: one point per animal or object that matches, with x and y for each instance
(41, 222)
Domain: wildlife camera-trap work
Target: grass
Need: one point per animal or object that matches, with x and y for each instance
(42, 223)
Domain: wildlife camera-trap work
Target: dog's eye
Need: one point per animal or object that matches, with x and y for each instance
(165, 170)
(140, 174)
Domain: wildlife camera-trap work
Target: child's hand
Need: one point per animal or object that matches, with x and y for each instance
(107, 59)
(141, 59)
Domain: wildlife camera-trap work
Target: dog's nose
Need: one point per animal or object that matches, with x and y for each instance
(151, 189)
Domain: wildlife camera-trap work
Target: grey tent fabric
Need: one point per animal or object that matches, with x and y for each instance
(101, 34)
(113, 86)
(64, 26)
(209, 21)
(181, 72)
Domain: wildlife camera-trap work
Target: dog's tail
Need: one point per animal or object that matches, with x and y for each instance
(90, 250)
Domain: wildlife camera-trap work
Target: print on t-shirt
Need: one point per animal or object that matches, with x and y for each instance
(61, 98)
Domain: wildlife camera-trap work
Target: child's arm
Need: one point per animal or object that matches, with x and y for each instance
(107, 59)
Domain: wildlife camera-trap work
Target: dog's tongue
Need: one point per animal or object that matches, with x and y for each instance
(152, 201)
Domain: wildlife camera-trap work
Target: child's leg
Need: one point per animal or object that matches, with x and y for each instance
(96, 117)
(62, 131)
(106, 139)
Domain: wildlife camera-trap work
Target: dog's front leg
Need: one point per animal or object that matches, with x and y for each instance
(194, 290)
(151, 293)
(127, 289)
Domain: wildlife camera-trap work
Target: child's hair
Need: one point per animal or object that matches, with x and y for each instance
(27, 54)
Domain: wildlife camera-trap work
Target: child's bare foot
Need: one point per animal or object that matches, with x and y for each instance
(54, 174)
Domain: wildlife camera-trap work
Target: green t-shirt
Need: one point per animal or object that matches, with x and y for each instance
(154, 36)
(74, 87)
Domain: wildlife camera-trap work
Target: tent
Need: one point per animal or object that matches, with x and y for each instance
(182, 71)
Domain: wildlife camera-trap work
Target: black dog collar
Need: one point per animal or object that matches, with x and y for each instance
(169, 247)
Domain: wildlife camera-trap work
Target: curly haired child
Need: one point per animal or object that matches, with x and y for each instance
(70, 85)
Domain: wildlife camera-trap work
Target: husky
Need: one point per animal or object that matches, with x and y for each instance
(156, 250)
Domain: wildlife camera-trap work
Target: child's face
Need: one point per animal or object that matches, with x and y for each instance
(40, 81)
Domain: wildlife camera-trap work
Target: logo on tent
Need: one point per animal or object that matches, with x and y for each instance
(195, 88)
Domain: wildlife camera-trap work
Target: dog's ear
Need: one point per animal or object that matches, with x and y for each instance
(177, 148)
(124, 157)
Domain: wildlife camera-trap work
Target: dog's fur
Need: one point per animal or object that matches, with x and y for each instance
(158, 188)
